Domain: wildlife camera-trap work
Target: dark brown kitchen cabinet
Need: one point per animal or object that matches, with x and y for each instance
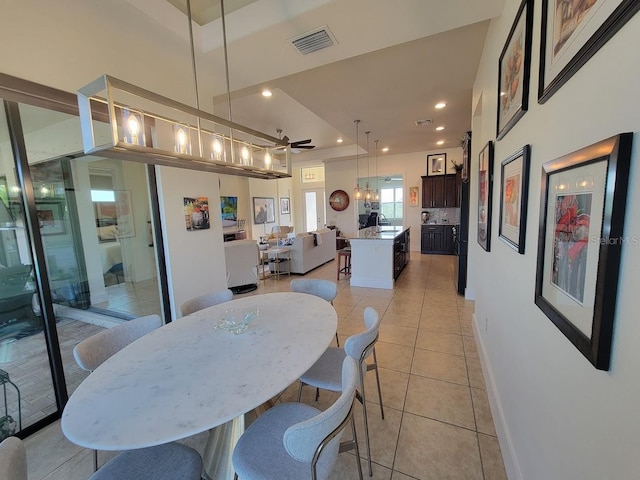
(437, 239)
(432, 239)
(439, 192)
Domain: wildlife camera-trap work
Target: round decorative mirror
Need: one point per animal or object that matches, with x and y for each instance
(339, 200)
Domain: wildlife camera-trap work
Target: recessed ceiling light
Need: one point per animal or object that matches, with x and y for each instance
(440, 128)
(440, 142)
(339, 140)
(440, 105)
(266, 93)
(385, 149)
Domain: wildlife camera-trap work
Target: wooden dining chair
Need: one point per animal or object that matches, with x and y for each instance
(318, 287)
(295, 441)
(325, 373)
(207, 300)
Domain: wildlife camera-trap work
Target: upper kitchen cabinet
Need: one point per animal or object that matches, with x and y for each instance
(440, 192)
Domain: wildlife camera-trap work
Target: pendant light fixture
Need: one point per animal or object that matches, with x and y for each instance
(367, 191)
(357, 192)
(123, 121)
(376, 193)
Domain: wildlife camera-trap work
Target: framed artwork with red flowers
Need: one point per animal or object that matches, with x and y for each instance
(513, 199)
(580, 239)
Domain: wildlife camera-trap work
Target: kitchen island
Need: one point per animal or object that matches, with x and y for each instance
(378, 256)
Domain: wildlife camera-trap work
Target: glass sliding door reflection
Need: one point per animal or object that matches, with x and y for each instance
(96, 222)
(25, 375)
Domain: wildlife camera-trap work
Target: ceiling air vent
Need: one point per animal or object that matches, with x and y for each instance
(314, 40)
(423, 123)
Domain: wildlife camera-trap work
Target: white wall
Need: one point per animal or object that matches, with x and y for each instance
(341, 175)
(269, 189)
(559, 417)
(195, 259)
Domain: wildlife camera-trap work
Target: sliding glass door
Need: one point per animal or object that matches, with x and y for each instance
(78, 227)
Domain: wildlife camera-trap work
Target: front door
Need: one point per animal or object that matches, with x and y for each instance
(314, 209)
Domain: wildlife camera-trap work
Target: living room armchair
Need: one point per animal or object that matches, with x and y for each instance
(242, 258)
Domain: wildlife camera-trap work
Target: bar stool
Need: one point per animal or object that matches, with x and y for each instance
(346, 253)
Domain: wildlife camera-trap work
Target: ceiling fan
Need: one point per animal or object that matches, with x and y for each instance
(297, 146)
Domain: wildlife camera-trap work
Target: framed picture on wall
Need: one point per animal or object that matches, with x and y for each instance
(413, 196)
(572, 32)
(264, 210)
(436, 164)
(485, 187)
(580, 240)
(285, 207)
(514, 180)
(514, 71)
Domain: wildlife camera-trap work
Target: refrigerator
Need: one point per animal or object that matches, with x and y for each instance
(462, 243)
(462, 234)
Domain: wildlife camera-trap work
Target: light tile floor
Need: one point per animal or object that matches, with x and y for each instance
(437, 421)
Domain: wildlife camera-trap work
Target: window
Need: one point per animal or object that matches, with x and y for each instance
(391, 203)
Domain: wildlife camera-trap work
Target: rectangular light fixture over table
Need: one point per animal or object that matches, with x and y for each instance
(142, 126)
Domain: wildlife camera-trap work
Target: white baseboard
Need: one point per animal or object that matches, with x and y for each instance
(506, 445)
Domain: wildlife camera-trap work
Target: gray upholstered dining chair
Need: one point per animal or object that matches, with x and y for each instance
(325, 373)
(93, 351)
(13, 459)
(320, 288)
(206, 300)
(295, 441)
(165, 462)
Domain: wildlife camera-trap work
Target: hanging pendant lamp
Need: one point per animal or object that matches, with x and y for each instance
(357, 192)
(376, 193)
(367, 191)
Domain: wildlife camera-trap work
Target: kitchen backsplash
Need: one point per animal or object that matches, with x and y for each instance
(443, 215)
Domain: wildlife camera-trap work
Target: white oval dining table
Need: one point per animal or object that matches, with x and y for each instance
(187, 377)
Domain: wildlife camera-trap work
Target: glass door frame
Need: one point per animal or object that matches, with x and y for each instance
(15, 91)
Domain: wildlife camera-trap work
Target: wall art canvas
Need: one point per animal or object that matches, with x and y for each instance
(514, 71)
(413, 196)
(485, 186)
(572, 32)
(196, 213)
(285, 206)
(436, 164)
(264, 210)
(580, 239)
(513, 199)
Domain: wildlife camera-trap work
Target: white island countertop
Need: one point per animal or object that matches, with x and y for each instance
(383, 233)
(378, 256)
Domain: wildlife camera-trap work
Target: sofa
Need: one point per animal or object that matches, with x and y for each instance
(312, 249)
(241, 257)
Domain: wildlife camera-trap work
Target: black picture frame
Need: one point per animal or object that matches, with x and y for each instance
(485, 189)
(436, 164)
(561, 59)
(581, 233)
(514, 194)
(285, 206)
(514, 71)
